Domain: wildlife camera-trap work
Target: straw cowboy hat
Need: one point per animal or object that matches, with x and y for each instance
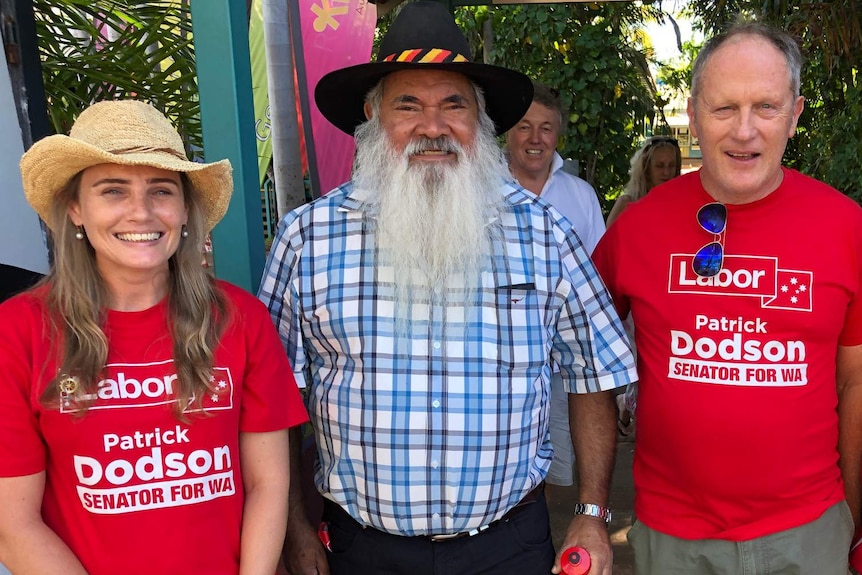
(423, 36)
(126, 132)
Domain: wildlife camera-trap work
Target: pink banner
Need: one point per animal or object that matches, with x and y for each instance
(335, 34)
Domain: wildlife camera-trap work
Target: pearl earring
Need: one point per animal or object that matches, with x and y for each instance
(79, 235)
(185, 232)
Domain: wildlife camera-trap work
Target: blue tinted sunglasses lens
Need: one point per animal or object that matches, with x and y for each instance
(713, 217)
(708, 260)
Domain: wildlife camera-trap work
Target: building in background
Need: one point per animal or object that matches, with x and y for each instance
(677, 121)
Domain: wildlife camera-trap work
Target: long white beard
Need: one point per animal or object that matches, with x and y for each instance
(434, 222)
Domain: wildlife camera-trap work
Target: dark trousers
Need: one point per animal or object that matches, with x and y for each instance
(519, 545)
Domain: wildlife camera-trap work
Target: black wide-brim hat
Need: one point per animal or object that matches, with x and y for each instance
(423, 36)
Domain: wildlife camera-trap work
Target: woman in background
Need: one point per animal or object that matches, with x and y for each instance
(657, 161)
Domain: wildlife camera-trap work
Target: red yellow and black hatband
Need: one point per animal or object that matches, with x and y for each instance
(426, 56)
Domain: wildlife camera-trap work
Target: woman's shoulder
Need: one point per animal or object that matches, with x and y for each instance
(243, 300)
(32, 300)
(620, 205)
(624, 201)
(24, 313)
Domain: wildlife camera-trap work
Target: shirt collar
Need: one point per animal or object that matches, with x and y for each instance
(354, 198)
(556, 164)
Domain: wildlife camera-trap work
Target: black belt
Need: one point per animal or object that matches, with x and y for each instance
(529, 498)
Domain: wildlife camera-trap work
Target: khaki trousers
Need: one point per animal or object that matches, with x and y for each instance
(820, 547)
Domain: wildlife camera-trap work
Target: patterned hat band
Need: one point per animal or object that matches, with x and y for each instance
(148, 150)
(426, 56)
(123, 132)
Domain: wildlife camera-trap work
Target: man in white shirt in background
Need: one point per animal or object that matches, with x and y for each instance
(531, 148)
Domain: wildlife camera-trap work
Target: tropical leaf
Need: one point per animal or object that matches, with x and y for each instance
(106, 49)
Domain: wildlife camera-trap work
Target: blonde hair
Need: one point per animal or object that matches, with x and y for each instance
(638, 186)
(198, 310)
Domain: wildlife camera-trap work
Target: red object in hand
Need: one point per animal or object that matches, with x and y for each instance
(323, 535)
(575, 561)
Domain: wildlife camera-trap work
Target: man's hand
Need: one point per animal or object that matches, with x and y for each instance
(303, 553)
(593, 418)
(591, 533)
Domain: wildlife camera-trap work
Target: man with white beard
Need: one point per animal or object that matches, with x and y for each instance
(431, 216)
(424, 305)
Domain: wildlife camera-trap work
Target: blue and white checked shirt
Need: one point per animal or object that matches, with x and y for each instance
(433, 435)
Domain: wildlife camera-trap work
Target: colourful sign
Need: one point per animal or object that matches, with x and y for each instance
(259, 86)
(335, 34)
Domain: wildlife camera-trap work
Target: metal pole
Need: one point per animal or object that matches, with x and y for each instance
(488, 37)
(286, 155)
(227, 117)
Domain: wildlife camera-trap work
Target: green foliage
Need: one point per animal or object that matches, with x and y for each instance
(674, 77)
(108, 49)
(828, 144)
(593, 55)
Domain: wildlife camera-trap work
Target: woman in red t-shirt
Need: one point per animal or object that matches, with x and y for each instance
(146, 404)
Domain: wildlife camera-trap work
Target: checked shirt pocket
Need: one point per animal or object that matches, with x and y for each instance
(519, 324)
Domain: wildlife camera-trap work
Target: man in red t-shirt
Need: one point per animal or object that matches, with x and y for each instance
(744, 280)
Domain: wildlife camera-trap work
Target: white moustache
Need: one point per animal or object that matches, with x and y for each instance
(440, 144)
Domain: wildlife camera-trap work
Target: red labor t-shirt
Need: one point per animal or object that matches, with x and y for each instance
(737, 424)
(129, 487)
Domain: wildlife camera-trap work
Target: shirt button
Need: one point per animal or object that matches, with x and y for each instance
(435, 403)
(435, 516)
(436, 345)
(435, 464)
